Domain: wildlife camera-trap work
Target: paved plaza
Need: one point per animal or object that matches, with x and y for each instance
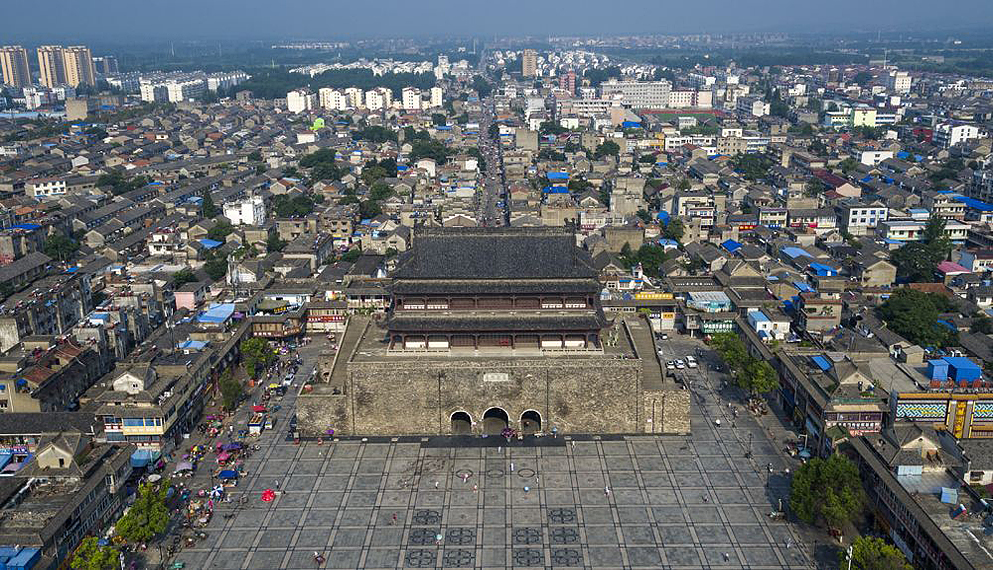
(674, 502)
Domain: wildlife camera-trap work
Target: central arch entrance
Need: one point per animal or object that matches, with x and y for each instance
(461, 423)
(495, 420)
(530, 422)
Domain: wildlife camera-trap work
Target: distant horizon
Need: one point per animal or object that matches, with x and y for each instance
(118, 21)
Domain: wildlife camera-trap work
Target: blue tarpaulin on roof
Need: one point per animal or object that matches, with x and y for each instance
(975, 204)
(803, 287)
(557, 175)
(663, 217)
(556, 190)
(822, 363)
(217, 313)
(731, 246)
(947, 324)
(26, 226)
(823, 270)
(631, 124)
(210, 243)
(192, 344)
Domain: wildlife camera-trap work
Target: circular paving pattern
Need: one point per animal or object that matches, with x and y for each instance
(459, 558)
(464, 473)
(528, 557)
(495, 473)
(566, 557)
(427, 517)
(562, 515)
(527, 536)
(526, 473)
(422, 536)
(461, 536)
(564, 535)
(421, 558)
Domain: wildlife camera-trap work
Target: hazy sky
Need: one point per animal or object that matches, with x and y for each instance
(59, 20)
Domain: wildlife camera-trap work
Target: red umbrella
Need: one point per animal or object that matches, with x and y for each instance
(268, 495)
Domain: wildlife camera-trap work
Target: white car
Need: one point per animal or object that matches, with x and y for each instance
(680, 364)
(691, 362)
(670, 365)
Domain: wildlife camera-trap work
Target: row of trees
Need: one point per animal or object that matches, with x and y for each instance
(749, 373)
(275, 83)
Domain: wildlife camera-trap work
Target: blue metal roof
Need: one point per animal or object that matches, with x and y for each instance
(795, 252)
(961, 362)
(557, 175)
(975, 204)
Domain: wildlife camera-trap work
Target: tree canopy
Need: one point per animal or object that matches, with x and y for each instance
(257, 354)
(827, 490)
(121, 184)
(914, 315)
(182, 277)
(231, 390)
(607, 148)
(90, 555)
(918, 261)
(873, 553)
(148, 516)
(752, 166)
(60, 246)
(298, 206)
(749, 373)
(651, 258)
(208, 209)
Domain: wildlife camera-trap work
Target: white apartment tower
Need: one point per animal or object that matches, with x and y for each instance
(411, 98)
(437, 97)
(247, 212)
(300, 100)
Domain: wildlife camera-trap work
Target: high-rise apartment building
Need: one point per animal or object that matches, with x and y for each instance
(14, 64)
(567, 82)
(411, 98)
(106, 65)
(529, 63)
(79, 69)
(51, 67)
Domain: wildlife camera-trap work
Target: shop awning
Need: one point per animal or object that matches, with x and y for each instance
(5, 458)
(143, 457)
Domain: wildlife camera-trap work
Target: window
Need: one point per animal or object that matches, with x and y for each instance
(134, 422)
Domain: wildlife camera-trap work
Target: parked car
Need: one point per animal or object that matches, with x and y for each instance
(691, 362)
(670, 365)
(680, 364)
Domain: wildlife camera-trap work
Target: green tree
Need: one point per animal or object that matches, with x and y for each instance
(914, 315)
(731, 349)
(674, 229)
(351, 255)
(683, 184)
(274, 244)
(439, 119)
(255, 156)
(208, 209)
(607, 148)
(751, 166)
(758, 377)
(216, 268)
(182, 277)
(872, 553)
(257, 354)
(848, 165)
(827, 490)
(369, 209)
(61, 247)
(89, 555)
(380, 191)
(918, 261)
(231, 390)
(220, 231)
(981, 324)
(148, 516)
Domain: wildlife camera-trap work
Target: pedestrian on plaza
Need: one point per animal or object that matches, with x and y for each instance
(277, 484)
(606, 491)
(511, 466)
(394, 518)
(435, 484)
(475, 488)
(527, 489)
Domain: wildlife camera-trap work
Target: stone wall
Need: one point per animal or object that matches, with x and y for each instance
(667, 411)
(581, 395)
